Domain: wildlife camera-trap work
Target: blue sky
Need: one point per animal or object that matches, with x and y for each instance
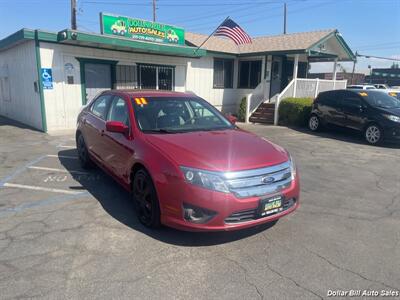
(370, 26)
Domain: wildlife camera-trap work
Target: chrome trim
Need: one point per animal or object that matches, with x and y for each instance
(259, 182)
(256, 172)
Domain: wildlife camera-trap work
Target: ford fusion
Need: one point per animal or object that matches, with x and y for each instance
(185, 164)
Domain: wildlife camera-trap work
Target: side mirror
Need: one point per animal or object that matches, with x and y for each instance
(231, 118)
(116, 126)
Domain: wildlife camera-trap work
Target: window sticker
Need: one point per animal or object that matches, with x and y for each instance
(141, 101)
(364, 94)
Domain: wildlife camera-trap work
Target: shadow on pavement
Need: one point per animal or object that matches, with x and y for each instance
(117, 203)
(344, 135)
(4, 121)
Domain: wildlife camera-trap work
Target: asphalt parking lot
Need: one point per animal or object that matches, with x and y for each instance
(66, 233)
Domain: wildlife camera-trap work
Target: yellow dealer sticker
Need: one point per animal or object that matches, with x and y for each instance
(141, 101)
(364, 94)
(393, 94)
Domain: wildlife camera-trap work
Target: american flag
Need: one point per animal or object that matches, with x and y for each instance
(233, 31)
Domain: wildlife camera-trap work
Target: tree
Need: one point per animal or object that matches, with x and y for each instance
(395, 66)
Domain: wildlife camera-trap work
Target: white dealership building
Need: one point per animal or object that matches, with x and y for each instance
(46, 77)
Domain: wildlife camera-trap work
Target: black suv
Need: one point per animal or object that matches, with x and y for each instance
(372, 112)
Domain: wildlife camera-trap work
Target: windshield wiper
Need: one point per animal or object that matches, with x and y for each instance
(160, 131)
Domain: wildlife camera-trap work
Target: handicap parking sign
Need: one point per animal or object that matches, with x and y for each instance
(47, 79)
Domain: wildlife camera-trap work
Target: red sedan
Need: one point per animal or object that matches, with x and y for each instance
(186, 165)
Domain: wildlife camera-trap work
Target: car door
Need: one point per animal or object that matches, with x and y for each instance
(354, 110)
(118, 149)
(329, 104)
(94, 124)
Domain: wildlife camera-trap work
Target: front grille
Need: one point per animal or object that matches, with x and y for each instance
(252, 214)
(259, 182)
(242, 216)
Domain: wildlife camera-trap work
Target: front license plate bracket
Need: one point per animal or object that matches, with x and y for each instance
(271, 205)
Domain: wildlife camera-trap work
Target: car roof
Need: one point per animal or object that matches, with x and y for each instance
(149, 93)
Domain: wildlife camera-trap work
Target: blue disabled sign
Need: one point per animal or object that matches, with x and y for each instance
(47, 79)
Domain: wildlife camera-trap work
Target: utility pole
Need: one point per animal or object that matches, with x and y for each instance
(73, 15)
(154, 10)
(354, 67)
(284, 18)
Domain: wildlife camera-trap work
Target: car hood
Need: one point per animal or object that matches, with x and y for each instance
(220, 150)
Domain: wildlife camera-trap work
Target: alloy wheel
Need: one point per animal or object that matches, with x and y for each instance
(145, 199)
(373, 134)
(313, 123)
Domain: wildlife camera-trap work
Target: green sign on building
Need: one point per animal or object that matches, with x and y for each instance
(141, 29)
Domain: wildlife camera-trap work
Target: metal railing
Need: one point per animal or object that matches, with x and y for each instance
(254, 99)
(304, 87)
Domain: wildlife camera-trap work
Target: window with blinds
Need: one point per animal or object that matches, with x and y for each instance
(223, 73)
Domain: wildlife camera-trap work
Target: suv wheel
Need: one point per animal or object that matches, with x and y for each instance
(83, 153)
(373, 134)
(146, 200)
(314, 123)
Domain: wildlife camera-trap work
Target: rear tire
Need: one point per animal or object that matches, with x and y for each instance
(83, 153)
(314, 123)
(373, 134)
(146, 201)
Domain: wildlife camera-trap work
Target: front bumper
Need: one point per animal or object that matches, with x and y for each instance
(392, 131)
(231, 213)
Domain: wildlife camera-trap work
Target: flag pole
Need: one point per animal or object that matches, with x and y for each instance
(210, 35)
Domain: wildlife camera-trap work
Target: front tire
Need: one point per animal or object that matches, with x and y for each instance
(373, 134)
(83, 153)
(146, 200)
(314, 123)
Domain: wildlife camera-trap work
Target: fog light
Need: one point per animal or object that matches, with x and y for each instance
(196, 214)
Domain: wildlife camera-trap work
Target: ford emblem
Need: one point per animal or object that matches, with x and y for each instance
(267, 179)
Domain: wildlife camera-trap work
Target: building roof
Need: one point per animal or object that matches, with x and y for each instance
(294, 42)
(84, 39)
(323, 44)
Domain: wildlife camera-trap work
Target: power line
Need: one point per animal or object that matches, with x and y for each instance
(378, 57)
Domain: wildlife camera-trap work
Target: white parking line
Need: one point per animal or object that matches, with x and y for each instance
(39, 188)
(66, 146)
(62, 156)
(58, 170)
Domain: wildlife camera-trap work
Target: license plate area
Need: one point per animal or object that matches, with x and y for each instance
(270, 206)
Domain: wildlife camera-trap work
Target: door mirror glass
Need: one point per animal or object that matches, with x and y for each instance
(116, 126)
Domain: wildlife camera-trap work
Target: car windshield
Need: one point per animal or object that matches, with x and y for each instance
(380, 99)
(177, 114)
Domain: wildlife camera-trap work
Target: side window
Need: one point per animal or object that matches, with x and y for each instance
(330, 99)
(118, 111)
(99, 106)
(351, 100)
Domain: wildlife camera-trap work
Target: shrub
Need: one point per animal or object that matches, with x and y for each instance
(242, 110)
(295, 111)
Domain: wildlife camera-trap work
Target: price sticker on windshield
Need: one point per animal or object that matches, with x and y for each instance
(364, 94)
(141, 101)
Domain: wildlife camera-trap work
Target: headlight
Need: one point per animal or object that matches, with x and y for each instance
(293, 169)
(207, 179)
(393, 118)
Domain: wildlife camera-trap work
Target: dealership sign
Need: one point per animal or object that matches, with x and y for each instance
(141, 30)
